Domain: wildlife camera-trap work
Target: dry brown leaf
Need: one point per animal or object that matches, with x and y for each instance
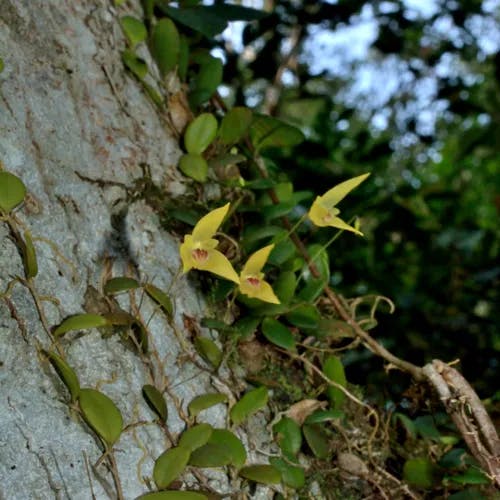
(301, 410)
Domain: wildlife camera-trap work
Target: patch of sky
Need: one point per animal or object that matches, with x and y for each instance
(486, 31)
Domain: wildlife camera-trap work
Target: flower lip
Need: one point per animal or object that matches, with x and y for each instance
(252, 280)
(200, 255)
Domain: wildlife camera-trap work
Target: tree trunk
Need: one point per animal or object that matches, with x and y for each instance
(80, 133)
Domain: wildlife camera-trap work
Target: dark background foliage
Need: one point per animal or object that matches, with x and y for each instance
(417, 105)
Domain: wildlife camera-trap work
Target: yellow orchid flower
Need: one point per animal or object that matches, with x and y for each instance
(252, 281)
(198, 250)
(323, 211)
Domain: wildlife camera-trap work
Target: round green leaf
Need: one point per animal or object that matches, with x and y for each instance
(278, 334)
(200, 133)
(12, 191)
(200, 403)
(165, 45)
(155, 400)
(134, 30)
(235, 124)
(210, 455)
(291, 475)
(80, 322)
(101, 414)
(160, 297)
(419, 472)
(66, 374)
(173, 495)
(135, 64)
(232, 444)
(208, 350)
(196, 436)
(288, 435)
(29, 256)
(169, 466)
(266, 474)
(249, 404)
(334, 370)
(194, 166)
(120, 284)
(316, 439)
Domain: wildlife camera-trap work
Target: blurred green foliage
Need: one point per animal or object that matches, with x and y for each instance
(431, 207)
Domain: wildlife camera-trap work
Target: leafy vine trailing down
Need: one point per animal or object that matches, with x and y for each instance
(280, 303)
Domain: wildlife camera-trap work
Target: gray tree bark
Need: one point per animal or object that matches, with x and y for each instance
(76, 129)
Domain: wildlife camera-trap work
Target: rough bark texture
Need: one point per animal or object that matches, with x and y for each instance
(69, 112)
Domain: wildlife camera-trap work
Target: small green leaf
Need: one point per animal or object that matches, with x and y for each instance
(407, 424)
(304, 316)
(266, 132)
(210, 455)
(120, 284)
(249, 404)
(270, 212)
(165, 45)
(80, 322)
(155, 401)
(2, 65)
(29, 256)
(12, 191)
(266, 474)
(472, 475)
(200, 403)
(200, 133)
(183, 64)
(135, 64)
(160, 297)
(134, 30)
(206, 81)
(419, 472)
(232, 444)
(208, 350)
(284, 286)
(246, 326)
(334, 370)
(316, 440)
(196, 436)
(66, 374)
(283, 251)
(169, 466)
(291, 475)
(234, 125)
(173, 495)
(426, 427)
(194, 166)
(288, 435)
(278, 334)
(324, 416)
(101, 414)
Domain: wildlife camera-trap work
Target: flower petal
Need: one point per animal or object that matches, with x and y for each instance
(263, 292)
(340, 191)
(218, 263)
(256, 261)
(318, 213)
(340, 224)
(185, 251)
(207, 226)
